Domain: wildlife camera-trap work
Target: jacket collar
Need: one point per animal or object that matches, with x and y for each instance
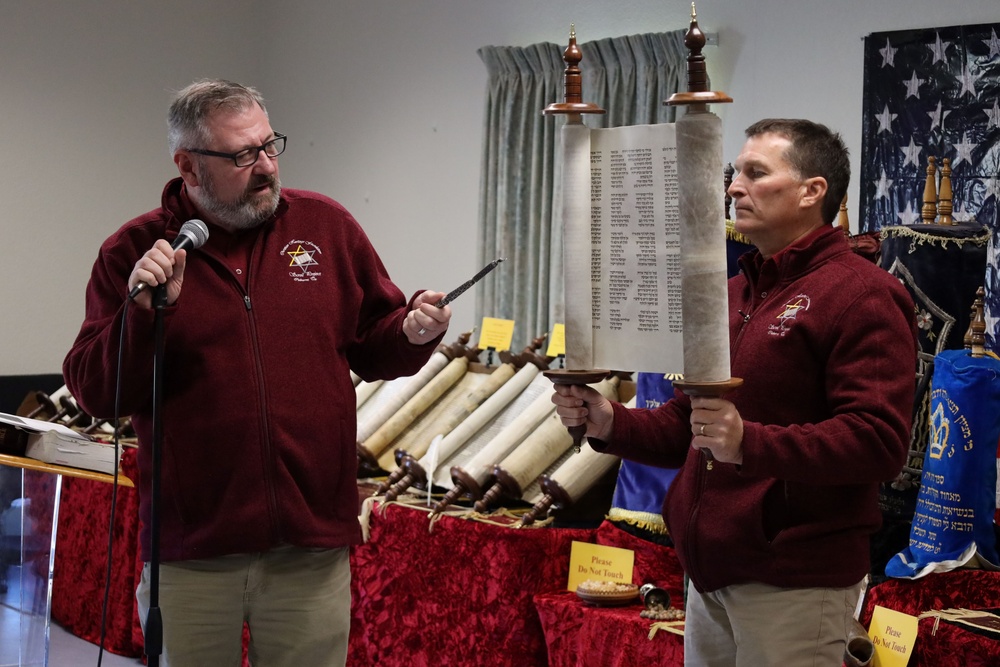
(797, 258)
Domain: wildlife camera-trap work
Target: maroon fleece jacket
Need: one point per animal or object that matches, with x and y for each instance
(825, 343)
(259, 412)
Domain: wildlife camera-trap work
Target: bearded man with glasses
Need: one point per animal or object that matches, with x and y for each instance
(259, 465)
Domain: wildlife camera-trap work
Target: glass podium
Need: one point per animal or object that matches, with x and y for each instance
(29, 517)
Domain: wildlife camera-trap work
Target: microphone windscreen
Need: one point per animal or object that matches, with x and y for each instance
(196, 231)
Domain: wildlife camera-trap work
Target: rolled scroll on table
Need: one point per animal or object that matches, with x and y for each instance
(571, 480)
(418, 470)
(536, 453)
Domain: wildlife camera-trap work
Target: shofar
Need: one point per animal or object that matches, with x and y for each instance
(571, 480)
(417, 471)
(393, 425)
(536, 453)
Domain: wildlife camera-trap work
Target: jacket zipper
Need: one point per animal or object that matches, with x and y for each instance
(265, 440)
(693, 564)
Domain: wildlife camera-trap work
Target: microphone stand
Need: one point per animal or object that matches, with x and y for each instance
(153, 640)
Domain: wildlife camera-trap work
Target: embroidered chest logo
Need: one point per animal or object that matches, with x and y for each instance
(789, 314)
(303, 260)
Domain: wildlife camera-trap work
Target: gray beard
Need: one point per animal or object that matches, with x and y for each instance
(247, 212)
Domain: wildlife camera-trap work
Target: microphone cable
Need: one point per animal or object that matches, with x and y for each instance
(114, 486)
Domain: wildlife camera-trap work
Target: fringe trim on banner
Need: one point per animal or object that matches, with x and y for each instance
(645, 520)
(919, 238)
(976, 618)
(733, 235)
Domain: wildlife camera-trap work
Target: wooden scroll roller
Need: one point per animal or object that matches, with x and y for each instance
(531, 458)
(975, 337)
(75, 417)
(571, 480)
(576, 377)
(937, 205)
(945, 195)
(66, 411)
(445, 367)
(104, 426)
(45, 409)
(572, 104)
(703, 263)
(572, 107)
(842, 220)
(477, 413)
(928, 212)
(468, 477)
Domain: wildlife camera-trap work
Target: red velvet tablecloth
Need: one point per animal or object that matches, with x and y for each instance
(949, 645)
(458, 594)
(447, 595)
(581, 635)
(81, 562)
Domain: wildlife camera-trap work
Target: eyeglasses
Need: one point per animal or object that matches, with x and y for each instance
(248, 156)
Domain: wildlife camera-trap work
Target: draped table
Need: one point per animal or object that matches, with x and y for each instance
(949, 644)
(454, 591)
(580, 635)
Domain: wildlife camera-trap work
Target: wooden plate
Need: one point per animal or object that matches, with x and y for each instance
(610, 599)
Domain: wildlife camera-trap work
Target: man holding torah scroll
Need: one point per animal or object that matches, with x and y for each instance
(773, 527)
(264, 324)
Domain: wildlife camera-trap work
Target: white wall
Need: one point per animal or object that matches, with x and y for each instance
(382, 101)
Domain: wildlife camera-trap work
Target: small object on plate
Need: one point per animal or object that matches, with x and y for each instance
(607, 593)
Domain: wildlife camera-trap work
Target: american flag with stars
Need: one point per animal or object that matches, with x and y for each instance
(934, 92)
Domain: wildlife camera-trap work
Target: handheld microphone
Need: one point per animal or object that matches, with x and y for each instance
(193, 235)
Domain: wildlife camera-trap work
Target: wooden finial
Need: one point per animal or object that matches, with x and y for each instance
(976, 335)
(944, 196)
(573, 83)
(697, 92)
(929, 210)
(842, 220)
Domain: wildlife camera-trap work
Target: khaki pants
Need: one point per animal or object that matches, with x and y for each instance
(756, 625)
(297, 603)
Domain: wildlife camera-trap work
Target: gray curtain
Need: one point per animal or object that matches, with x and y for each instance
(629, 77)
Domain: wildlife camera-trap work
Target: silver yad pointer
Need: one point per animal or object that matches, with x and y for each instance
(457, 292)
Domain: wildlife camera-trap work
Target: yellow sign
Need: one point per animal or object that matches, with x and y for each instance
(557, 341)
(496, 334)
(599, 563)
(893, 634)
